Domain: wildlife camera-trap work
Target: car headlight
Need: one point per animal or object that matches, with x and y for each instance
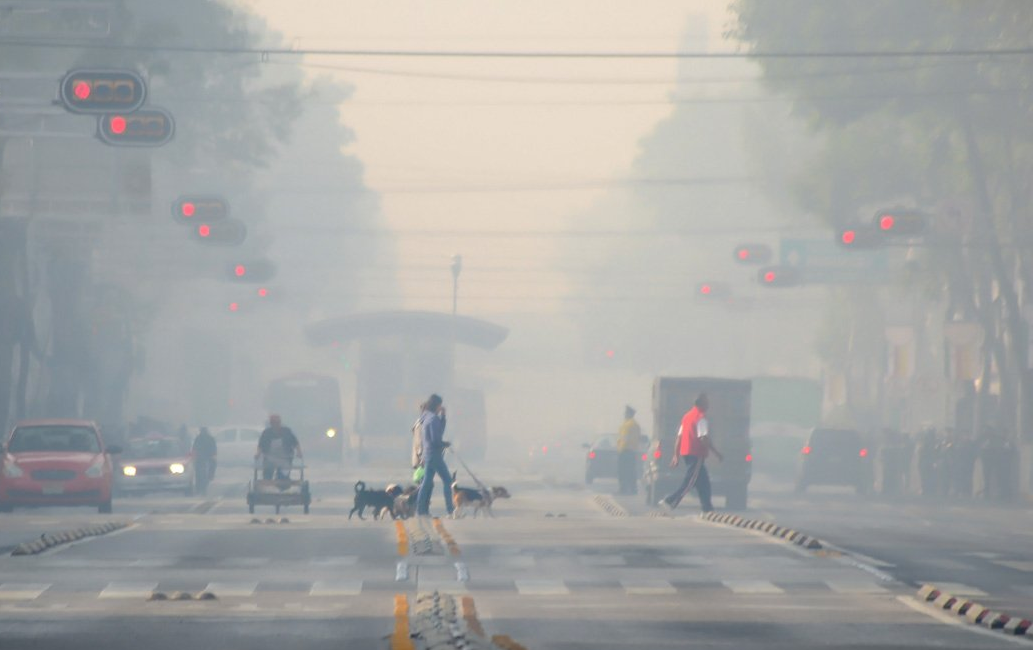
(12, 471)
(129, 470)
(331, 432)
(177, 468)
(96, 470)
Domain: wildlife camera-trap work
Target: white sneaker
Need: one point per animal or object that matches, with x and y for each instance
(664, 506)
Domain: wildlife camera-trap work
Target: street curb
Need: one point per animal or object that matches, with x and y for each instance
(787, 534)
(609, 505)
(974, 612)
(48, 541)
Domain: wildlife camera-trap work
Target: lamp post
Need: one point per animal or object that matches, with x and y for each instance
(457, 267)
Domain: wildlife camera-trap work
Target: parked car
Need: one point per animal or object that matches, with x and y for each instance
(834, 457)
(601, 459)
(156, 463)
(56, 463)
(237, 444)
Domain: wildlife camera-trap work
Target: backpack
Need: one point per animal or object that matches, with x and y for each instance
(417, 442)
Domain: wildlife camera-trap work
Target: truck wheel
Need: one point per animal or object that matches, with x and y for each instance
(736, 497)
(105, 507)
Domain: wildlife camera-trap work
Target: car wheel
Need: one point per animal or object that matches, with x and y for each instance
(105, 507)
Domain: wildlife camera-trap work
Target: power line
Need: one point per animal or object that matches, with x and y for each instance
(266, 52)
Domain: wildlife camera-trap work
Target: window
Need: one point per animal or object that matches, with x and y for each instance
(54, 438)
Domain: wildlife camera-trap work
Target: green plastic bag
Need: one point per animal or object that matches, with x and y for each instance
(417, 476)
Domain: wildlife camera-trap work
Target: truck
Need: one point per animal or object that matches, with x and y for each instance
(729, 425)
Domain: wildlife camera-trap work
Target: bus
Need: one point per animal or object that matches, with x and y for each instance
(310, 404)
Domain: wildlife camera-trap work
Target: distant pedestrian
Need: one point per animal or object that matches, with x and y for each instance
(432, 427)
(277, 447)
(628, 445)
(692, 447)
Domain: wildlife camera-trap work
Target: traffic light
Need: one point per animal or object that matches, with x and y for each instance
(753, 254)
(904, 223)
(148, 127)
(251, 271)
(194, 209)
(227, 232)
(779, 276)
(712, 290)
(860, 236)
(103, 91)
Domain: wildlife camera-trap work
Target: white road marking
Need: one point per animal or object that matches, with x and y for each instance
(752, 587)
(541, 588)
(1017, 565)
(648, 588)
(855, 587)
(22, 590)
(985, 555)
(602, 560)
(336, 588)
(155, 562)
(511, 561)
(232, 589)
(684, 560)
(128, 590)
(867, 559)
(955, 588)
(343, 560)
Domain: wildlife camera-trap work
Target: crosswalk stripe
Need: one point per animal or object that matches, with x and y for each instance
(752, 587)
(541, 587)
(1017, 565)
(336, 588)
(648, 587)
(128, 590)
(512, 561)
(855, 587)
(232, 588)
(22, 590)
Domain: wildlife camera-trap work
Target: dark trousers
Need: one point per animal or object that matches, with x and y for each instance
(695, 477)
(435, 464)
(626, 463)
(282, 472)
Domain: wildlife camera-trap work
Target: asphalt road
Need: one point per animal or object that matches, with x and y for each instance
(552, 570)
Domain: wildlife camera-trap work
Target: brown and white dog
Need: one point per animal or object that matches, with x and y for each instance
(405, 503)
(475, 498)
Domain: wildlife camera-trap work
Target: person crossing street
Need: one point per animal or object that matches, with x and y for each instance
(692, 447)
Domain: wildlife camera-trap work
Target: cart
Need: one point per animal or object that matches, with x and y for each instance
(279, 492)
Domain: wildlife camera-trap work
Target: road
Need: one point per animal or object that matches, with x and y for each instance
(554, 569)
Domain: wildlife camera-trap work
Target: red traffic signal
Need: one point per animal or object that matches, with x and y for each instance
(861, 236)
(103, 91)
(251, 271)
(900, 222)
(193, 209)
(752, 254)
(779, 276)
(150, 127)
(228, 232)
(712, 290)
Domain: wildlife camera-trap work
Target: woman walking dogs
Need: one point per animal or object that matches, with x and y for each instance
(432, 428)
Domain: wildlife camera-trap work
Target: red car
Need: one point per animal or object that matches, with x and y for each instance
(56, 463)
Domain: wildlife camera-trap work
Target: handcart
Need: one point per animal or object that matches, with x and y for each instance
(283, 490)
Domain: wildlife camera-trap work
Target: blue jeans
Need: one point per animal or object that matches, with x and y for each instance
(435, 464)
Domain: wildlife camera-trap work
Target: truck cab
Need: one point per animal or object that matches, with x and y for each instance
(729, 422)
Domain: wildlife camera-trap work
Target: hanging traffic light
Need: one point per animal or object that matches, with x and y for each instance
(103, 91)
(227, 232)
(779, 276)
(194, 209)
(148, 127)
(251, 271)
(712, 290)
(905, 223)
(860, 237)
(752, 254)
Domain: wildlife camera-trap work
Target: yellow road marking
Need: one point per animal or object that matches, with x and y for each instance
(401, 638)
(453, 548)
(403, 538)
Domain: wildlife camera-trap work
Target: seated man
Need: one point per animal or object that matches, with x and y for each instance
(277, 447)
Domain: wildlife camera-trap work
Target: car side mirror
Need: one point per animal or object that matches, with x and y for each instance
(114, 450)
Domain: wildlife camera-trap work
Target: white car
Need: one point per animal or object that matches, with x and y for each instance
(236, 444)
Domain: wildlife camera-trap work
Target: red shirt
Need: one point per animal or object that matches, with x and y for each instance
(689, 444)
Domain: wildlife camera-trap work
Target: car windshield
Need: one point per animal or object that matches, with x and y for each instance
(835, 439)
(154, 448)
(606, 442)
(54, 438)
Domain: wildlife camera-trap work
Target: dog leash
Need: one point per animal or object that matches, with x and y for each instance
(476, 480)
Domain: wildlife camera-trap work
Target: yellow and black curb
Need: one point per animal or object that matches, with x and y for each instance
(609, 505)
(974, 612)
(446, 537)
(771, 528)
(270, 520)
(50, 540)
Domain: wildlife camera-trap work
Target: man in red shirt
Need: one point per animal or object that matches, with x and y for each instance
(693, 446)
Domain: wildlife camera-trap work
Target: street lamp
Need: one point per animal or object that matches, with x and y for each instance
(457, 266)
